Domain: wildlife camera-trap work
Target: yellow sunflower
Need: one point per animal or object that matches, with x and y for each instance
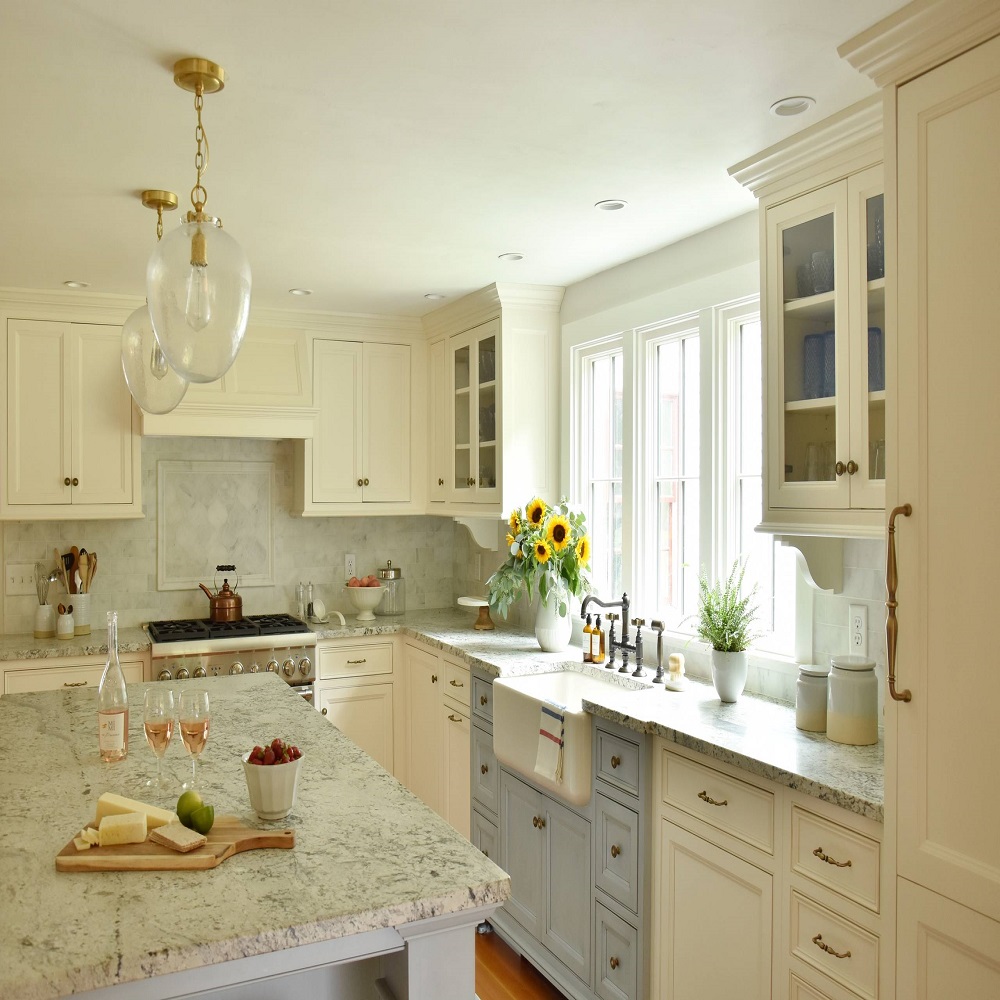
(583, 550)
(542, 550)
(558, 532)
(514, 521)
(536, 511)
(510, 540)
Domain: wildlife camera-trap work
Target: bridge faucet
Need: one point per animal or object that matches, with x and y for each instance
(615, 643)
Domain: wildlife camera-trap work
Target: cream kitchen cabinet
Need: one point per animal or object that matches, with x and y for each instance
(71, 447)
(21, 676)
(823, 315)
(940, 65)
(360, 457)
(493, 353)
(355, 690)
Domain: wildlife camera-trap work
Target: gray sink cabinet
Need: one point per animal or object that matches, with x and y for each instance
(579, 904)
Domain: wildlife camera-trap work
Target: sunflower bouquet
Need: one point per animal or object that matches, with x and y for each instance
(548, 548)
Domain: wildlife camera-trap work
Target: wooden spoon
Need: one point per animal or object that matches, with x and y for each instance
(84, 571)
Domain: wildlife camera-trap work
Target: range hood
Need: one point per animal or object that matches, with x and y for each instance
(266, 394)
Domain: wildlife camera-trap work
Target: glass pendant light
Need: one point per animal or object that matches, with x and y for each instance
(154, 385)
(198, 279)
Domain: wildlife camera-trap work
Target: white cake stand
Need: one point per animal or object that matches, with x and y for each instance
(483, 623)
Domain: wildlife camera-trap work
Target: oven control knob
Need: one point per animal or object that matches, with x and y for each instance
(255, 667)
(236, 668)
(164, 675)
(305, 666)
(288, 667)
(272, 666)
(200, 672)
(182, 674)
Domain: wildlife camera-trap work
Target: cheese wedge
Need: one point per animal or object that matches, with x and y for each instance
(81, 844)
(90, 835)
(124, 828)
(110, 804)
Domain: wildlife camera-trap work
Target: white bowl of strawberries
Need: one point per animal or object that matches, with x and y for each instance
(365, 594)
(272, 773)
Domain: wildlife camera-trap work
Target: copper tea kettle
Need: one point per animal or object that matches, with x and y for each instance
(225, 605)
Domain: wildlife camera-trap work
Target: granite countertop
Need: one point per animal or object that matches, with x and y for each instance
(368, 854)
(756, 734)
(25, 646)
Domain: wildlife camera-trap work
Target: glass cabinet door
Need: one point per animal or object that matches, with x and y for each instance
(808, 419)
(462, 479)
(486, 403)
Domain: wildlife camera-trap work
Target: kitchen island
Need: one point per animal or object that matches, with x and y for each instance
(377, 886)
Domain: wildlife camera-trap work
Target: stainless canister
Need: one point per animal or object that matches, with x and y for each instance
(852, 703)
(394, 598)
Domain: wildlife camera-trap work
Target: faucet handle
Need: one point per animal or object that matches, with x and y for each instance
(638, 622)
(658, 625)
(611, 616)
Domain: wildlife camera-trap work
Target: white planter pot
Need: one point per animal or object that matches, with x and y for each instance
(729, 674)
(552, 630)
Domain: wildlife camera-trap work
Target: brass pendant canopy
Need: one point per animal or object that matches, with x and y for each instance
(163, 201)
(191, 72)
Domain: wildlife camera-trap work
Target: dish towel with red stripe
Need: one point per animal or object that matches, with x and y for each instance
(551, 731)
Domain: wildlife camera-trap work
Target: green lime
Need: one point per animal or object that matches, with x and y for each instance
(202, 818)
(186, 804)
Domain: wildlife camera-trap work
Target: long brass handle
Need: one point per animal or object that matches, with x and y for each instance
(362, 660)
(434, 678)
(538, 822)
(482, 700)
(615, 850)
(840, 468)
(891, 625)
(74, 684)
(613, 962)
(820, 943)
(484, 768)
(705, 797)
(456, 684)
(818, 853)
(616, 761)
(454, 718)
(852, 467)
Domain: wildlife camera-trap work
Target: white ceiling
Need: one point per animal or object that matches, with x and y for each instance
(377, 150)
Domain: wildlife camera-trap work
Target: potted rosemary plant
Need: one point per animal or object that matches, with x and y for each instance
(726, 620)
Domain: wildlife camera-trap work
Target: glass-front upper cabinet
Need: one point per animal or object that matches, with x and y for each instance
(826, 348)
(474, 383)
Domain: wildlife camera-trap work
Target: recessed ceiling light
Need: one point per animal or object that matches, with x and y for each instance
(789, 106)
(77, 284)
(611, 204)
(300, 291)
(434, 296)
(511, 256)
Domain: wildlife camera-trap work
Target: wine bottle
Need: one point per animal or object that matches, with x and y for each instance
(112, 701)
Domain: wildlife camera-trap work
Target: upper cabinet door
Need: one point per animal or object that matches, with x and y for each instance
(386, 431)
(438, 438)
(337, 475)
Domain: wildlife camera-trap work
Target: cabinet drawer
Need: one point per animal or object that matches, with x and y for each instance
(485, 771)
(618, 762)
(799, 990)
(456, 682)
(485, 836)
(615, 947)
(355, 661)
(835, 856)
(847, 953)
(730, 805)
(617, 853)
(84, 675)
(482, 698)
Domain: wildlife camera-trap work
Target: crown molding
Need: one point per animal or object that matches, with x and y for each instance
(919, 36)
(487, 303)
(846, 140)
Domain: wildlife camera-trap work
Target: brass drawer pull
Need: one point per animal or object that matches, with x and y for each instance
(818, 853)
(456, 684)
(484, 768)
(74, 684)
(485, 852)
(891, 625)
(616, 761)
(538, 822)
(615, 850)
(434, 678)
(820, 943)
(454, 718)
(482, 700)
(441, 483)
(362, 660)
(613, 962)
(705, 797)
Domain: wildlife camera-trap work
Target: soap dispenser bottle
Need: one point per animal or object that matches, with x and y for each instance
(597, 653)
(588, 652)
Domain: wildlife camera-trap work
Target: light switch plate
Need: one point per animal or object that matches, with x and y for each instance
(858, 629)
(20, 579)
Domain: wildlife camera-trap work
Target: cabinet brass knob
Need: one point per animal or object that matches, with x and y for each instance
(615, 850)
(66, 481)
(472, 481)
(852, 467)
(76, 482)
(361, 482)
(616, 761)
(705, 797)
(454, 718)
(323, 712)
(823, 946)
(434, 678)
(441, 483)
(482, 700)
(484, 768)
(366, 481)
(840, 468)
(538, 822)
(613, 962)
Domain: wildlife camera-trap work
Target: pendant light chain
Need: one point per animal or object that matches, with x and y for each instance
(198, 193)
(159, 222)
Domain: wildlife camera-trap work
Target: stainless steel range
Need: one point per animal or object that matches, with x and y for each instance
(197, 647)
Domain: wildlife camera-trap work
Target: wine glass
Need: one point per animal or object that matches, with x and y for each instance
(194, 721)
(158, 722)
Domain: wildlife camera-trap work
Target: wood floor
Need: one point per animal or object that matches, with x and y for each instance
(501, 974)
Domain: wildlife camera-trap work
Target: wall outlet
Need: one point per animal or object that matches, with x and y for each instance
(350, 566)
(858, 629)
(20, 579)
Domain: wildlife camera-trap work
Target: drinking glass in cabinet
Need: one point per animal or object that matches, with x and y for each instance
(462, 368)
(876, 238)
(487, 360)
(807, 252)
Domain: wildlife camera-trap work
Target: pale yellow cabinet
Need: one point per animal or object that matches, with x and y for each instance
(21, 676)
(71, 447)
(360, 455)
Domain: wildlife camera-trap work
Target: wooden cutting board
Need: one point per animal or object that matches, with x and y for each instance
(226, 838)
